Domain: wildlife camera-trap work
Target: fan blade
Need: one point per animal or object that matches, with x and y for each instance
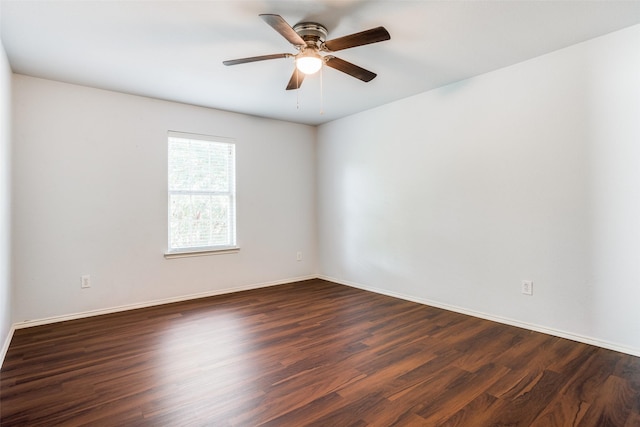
(257, 58)
(285, 30)
(373, 35)
(349, 68)
(296, 80)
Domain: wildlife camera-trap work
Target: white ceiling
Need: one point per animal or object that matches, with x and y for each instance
(174, 50)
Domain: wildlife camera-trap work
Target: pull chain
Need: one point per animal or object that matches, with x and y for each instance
(295, 70)
(321, 93)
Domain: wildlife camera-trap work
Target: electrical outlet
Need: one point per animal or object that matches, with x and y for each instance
(85, 281)
(527, 287)
(299, 256)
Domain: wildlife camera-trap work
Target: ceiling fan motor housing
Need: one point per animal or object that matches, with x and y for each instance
(312, 33)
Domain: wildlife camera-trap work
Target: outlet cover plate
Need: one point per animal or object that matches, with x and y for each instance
(85, 281)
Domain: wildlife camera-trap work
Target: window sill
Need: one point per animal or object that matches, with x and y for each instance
(202, 252)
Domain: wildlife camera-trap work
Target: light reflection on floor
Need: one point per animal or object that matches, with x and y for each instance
(201, 357)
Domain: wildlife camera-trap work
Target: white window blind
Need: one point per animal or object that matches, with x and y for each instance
(201, 193)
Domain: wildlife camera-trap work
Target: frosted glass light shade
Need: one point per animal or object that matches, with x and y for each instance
(308, 63)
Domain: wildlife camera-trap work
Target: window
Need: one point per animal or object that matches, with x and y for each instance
(201, 194)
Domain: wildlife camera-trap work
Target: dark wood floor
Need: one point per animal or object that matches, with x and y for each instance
(310, 353)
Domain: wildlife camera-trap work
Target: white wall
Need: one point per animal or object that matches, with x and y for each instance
(5, 201)
(89, 180)
(456, 195)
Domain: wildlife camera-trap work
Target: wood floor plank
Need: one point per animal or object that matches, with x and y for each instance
(309, 353)
(611, 407)
(459, 395)
(478, 412)
(571, 404)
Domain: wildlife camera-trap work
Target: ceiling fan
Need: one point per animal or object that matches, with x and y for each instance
(309, 38)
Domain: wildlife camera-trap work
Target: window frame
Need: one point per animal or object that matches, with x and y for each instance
(231, 193)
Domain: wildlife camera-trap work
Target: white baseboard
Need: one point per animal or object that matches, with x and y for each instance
(5, 345)
(493, 318)
(109, 310)
(506, 321)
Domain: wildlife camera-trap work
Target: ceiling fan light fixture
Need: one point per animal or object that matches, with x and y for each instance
(308, 62)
